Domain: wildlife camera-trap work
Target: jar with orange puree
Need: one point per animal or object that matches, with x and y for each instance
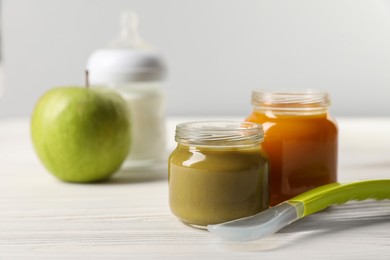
(300, 139)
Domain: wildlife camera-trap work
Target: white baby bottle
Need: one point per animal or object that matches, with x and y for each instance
(136, 72)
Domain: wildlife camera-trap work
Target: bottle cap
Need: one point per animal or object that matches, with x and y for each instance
(128, 58)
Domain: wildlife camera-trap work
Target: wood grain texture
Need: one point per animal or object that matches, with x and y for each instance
(129, 218)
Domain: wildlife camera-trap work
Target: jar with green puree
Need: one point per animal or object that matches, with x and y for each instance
(218, 172)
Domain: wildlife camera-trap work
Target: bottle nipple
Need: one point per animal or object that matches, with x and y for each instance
(128, 37)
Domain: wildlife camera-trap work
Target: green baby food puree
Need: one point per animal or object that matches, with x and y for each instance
(210, 185)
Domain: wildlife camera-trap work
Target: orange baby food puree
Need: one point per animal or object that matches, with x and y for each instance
(300, 140)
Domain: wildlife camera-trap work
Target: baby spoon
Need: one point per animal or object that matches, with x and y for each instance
(273, 219)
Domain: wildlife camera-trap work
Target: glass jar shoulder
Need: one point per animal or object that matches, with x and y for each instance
(316, 123)
(218, 159)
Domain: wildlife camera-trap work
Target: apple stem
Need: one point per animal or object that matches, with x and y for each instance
(86, 78)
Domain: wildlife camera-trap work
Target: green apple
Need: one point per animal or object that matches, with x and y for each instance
(81, 134)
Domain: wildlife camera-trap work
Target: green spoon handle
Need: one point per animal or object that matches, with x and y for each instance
(338, 193)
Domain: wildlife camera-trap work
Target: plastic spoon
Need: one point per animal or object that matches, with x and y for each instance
(272, 220)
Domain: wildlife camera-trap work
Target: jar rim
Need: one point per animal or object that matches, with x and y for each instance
(219, 133)
(308, 99)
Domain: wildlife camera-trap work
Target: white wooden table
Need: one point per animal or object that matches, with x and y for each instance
(129, 217)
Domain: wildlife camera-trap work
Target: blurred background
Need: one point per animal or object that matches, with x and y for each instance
(217, 51)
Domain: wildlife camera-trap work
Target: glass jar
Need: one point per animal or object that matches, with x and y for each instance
(300, 139)
(218, 172)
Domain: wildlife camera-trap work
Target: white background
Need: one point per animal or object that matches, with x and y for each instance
(217, 50)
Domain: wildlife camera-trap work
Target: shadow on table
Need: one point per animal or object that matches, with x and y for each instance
(343, 217)
(323, 225)
(140, 175)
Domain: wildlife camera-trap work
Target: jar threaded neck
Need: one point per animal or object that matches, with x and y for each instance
(219, 133)
(308, 100)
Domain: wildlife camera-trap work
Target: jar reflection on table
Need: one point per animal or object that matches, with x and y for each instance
(300, 139)
(217, 173)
